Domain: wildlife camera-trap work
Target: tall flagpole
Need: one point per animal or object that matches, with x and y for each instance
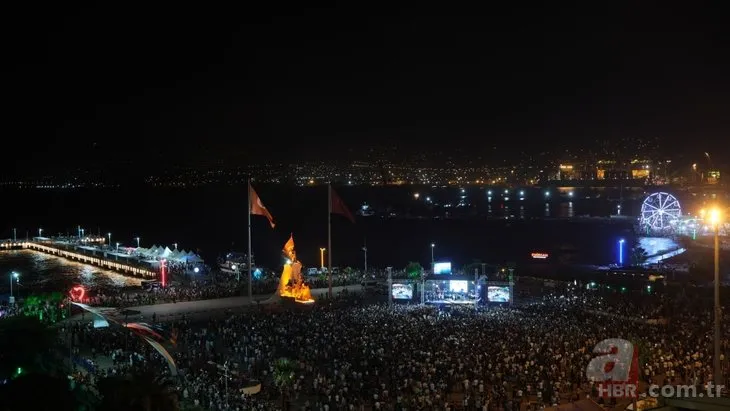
(250, 293)
(329, 238)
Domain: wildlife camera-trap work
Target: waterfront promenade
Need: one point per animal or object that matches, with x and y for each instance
(173, 311)
(99, 259)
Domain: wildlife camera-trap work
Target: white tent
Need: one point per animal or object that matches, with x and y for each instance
(166, 253)
(189, 257)
(193, 258)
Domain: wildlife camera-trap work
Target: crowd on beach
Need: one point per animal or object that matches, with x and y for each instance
(351, 354)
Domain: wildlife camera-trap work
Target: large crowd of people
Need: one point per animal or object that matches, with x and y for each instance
(352, 354)
(220, 286)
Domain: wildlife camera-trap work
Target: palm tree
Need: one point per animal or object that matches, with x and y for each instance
(141, 392)
(283, 378)
(414, 270)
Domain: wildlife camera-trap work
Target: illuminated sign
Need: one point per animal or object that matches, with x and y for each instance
(78, 293)
(442, 268)
(539, 256)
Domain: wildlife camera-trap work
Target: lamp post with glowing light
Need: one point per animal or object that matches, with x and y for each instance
(321, 258)
(109, 236)
(137, 238)
(13, 276)
(715, 218)
(40, 232)
(621, 252)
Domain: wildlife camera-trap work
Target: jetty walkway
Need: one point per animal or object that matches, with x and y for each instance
(91, 257)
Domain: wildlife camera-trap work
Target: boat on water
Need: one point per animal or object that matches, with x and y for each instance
(365, 210)
(234, 262)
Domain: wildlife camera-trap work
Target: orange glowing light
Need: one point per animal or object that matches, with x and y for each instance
(292, 283)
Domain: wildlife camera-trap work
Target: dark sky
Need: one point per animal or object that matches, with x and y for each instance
(117, 83)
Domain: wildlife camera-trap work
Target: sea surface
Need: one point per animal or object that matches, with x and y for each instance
(212, 221)
(41, 273)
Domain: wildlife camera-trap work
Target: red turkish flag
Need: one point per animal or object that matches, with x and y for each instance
(338, 206)
(257, 207)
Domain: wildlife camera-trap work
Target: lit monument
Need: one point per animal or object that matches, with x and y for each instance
(291, 284)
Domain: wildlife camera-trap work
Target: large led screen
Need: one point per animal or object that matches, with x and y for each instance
(442, 268)
(402, 291)
(458, 286)
(498, 294)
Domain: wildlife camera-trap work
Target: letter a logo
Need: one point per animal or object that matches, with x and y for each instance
(614, 360)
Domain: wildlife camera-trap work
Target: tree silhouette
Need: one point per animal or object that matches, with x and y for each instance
(28, 347)
(283, 378)
(38, 392)
(476, 264)
(414, 270)
(139, 392)
(638, 256)
(31, 360)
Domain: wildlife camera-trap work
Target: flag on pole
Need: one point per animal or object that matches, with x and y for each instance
(258, 208)
(338, 206)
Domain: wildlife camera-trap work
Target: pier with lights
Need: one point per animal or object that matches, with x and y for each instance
(99, 260)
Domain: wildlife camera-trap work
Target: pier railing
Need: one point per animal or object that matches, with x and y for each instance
(82, 258)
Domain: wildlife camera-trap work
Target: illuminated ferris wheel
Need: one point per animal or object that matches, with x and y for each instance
(659, 211)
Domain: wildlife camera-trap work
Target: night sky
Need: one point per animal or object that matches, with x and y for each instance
(147, 84)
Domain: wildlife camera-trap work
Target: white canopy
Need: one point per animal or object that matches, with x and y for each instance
(155, 253)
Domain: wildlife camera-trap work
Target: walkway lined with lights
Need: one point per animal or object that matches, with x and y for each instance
(86, 259)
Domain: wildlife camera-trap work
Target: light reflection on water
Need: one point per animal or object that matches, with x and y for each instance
(42, 272)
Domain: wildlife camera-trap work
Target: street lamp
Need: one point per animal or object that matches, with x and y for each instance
(321, 258)
(40, 232)
(715, 218)
(175, 245)
(15, 276)
(137, 238)
(109, 235)
(621, 252)
(117, 247)
(433, 245)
